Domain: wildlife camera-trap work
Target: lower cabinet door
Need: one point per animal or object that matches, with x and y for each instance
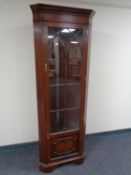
(64, 146)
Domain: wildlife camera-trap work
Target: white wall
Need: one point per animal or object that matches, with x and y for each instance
(109, 102)
(109, 97)
(18, 122)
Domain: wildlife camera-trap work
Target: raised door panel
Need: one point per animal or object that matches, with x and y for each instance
(64, 146)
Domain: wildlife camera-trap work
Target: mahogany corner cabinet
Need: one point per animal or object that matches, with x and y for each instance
(61, 36)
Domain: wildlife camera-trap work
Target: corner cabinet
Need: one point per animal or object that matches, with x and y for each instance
(61, 37)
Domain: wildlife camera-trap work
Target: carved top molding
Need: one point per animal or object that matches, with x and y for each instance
(38, 8)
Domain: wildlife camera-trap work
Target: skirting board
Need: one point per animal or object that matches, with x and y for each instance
(29, 144)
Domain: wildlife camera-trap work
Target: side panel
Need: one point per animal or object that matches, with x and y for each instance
(40, 82)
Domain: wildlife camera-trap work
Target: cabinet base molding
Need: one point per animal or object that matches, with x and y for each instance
(51, 166)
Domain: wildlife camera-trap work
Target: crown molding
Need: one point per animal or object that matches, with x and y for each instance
(106, 3)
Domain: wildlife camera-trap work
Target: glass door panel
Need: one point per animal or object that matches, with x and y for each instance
(64, 60)
(65, 96)
(68, 119)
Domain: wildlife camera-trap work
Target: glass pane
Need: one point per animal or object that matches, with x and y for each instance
(64, 120)
(65, 96)
(64, 60)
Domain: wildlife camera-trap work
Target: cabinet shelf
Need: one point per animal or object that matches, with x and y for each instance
(65, 84)
(65, 109)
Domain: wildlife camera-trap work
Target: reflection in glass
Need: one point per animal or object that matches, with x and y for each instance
(64, 60)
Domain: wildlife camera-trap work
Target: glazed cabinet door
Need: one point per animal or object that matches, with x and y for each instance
(64, 62)
(65, 79)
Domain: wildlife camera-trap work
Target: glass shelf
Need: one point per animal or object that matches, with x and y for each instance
(65, 84)
(66, 109)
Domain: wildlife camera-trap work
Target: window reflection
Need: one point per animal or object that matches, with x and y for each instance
(64, 54)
